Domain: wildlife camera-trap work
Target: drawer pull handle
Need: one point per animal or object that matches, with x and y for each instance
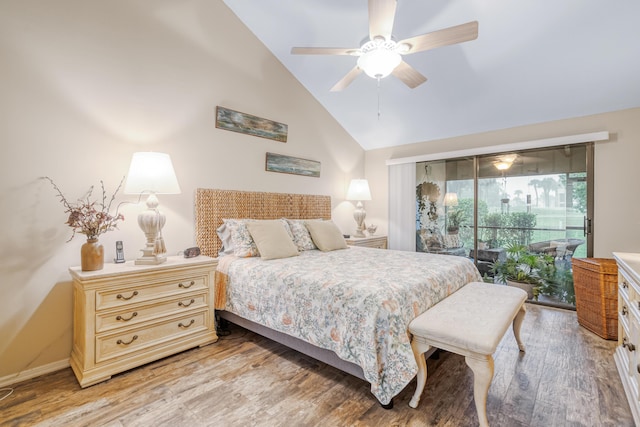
(182, 304)
(135, 337)
(625, 284)
(181, 285)
(625, 310)
(182, 325)
(626, 343)
(120, 296)
(125, 319)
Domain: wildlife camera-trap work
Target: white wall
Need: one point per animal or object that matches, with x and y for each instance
(83, 85)
(616, 219)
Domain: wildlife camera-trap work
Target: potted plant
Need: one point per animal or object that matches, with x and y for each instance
(454, 220)
(523, 269)
(558, 284)
(91, 218)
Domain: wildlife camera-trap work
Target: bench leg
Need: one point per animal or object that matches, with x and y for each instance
(419, 348)
(482, 367)
(517, 322)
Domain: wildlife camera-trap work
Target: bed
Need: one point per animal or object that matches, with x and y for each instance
(349, 308)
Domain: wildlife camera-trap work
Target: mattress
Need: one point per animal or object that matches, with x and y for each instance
(356, 302)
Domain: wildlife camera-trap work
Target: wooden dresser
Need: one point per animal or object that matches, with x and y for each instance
(627, 355)
(126, 315)
(379, 242)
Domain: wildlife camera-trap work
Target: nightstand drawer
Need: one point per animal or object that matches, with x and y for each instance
(377, 242)
(138, 339)
(134, 315)
(112, 298)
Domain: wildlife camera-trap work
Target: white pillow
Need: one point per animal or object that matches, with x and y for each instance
(452, 241)
(326, 235)
(272, 239)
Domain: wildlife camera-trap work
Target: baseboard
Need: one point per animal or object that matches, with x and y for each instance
(32, 373)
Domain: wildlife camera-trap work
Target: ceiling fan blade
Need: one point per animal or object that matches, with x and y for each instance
(381, 16)
(408, 75)
(346, 80)
(448, 36)
(324, 51)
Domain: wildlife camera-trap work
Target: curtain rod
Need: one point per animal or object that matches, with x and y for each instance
(515, 146)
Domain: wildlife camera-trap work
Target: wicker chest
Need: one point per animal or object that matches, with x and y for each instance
(595, 281)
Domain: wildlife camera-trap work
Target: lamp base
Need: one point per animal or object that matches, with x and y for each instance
(358, 233)
(359, 215)
(151, 222)
(151, 260)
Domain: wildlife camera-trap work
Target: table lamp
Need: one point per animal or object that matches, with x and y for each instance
(152, 173)
(359, 191)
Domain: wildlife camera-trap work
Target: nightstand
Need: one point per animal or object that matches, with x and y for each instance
(378, 242)
(126, 315)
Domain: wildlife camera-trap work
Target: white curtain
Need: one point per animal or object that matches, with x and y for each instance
(402, 207)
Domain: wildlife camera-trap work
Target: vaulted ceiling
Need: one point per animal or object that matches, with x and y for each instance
(533, 61)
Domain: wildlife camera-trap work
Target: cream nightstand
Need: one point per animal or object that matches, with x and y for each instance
(126, 315)
(378, 242)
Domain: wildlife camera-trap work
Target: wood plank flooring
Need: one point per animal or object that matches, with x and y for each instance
(566, 378)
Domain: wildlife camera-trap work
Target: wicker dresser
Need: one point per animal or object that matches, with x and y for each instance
(627, 355)
(126, 315)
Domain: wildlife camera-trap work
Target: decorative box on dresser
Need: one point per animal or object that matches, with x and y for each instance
(126, 315)
(378, 242)
(627, 355)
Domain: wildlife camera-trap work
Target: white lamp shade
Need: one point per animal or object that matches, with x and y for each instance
(450, 199)
(151, 173)
(359, 190)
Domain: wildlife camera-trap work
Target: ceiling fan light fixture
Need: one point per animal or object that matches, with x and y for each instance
(379, 62)
(502, 166)
(504, 162)
(403, 48)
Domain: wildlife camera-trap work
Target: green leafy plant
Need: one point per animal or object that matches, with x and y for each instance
(524, 267)
(455, 217)
(503, 229)
(558, 283)
(427, 194)
(538, 270)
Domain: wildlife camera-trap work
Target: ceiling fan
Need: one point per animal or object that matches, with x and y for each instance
(382, 55)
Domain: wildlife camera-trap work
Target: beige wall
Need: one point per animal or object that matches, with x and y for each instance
(84, 85)
(617, 174)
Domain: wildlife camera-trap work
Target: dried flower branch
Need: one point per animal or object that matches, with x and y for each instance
(85, 218)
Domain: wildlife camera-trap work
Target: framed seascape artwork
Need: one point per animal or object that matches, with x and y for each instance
(251, 125)
(293, 165)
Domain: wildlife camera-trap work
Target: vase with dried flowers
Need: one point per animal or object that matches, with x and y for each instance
(91, 218)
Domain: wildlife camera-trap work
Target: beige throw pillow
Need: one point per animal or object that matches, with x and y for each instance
(272, 239)
(326, 235)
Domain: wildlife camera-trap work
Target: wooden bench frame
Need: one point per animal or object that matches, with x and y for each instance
(481, 362)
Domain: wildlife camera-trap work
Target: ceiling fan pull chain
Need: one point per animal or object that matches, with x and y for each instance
(378, 98)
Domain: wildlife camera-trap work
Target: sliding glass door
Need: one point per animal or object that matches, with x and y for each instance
(517, 215)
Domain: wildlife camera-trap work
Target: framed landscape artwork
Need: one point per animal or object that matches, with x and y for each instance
(251, 125)
(294, 165)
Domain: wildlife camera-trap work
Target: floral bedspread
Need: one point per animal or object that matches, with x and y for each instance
(357, 302)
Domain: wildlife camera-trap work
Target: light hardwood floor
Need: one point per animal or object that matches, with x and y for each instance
(566, 378)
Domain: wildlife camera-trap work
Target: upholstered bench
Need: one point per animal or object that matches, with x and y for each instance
(470, 322)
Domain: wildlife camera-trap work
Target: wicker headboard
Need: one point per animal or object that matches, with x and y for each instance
(214, 205)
